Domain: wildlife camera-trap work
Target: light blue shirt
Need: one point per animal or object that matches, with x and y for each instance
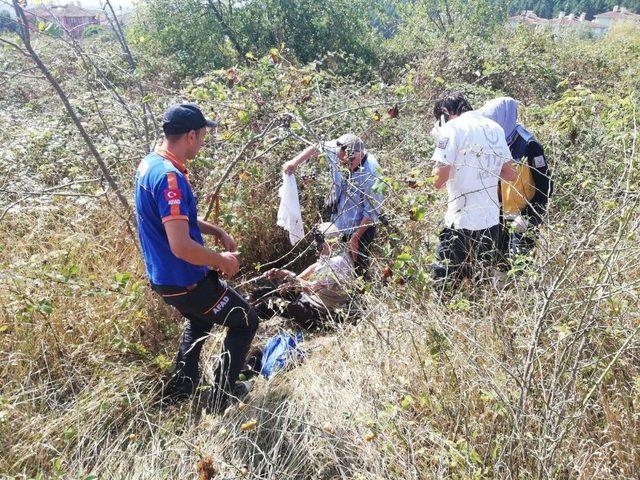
(356, 198)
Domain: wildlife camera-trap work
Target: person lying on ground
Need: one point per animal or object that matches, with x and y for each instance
(353, 205)
(523, 201)
(311, 297)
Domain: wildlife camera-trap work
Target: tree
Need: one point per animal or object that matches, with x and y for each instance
(221, 33)
(27, 49)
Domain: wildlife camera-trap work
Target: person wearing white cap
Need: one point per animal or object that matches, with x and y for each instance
(354, 205)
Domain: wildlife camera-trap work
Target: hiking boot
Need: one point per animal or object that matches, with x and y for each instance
(177, 389)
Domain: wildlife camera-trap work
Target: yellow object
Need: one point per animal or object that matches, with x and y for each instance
(516, 195)
(250, 425)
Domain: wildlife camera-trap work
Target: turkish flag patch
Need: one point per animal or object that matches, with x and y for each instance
(172, 194)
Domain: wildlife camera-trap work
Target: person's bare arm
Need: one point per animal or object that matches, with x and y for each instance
(185, 248)
(227, 240)
(508, 172)
(354, 241)
(441, 172)
(279, 274)
(307, 272)
(291, 166)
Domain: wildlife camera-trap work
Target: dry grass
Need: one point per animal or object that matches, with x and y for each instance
(538, 378)
(533, 374)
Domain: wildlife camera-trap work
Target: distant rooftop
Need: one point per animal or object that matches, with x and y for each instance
(68, 10)
(572, 21)
(529, 17)
(619, 13)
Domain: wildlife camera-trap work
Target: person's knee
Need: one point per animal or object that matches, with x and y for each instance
(245, 318)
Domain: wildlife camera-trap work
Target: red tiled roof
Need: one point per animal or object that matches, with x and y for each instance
(528, 17)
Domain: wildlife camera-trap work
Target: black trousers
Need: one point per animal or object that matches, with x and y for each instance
(211, 302)
(464, 253)
(361, 263)
(295, 308)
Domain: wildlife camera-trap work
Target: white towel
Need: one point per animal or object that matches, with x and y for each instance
(289, 215)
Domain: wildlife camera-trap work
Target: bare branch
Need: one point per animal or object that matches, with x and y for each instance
(26, 39)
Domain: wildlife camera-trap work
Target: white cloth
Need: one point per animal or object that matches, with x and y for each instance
(335, 276)
(289, 215)
(476, 149)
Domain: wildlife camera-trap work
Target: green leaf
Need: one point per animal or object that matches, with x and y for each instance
(404, 257)
(407, 402)
(244, 117)
(43, 306)
(122, 278)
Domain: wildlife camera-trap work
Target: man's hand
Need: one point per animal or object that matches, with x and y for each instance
(509, 172)
(290, 167)
(441, 172)
(228, 264)
(228, 243)
(278, 274)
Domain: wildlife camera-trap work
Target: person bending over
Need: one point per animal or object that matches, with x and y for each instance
(471, 154)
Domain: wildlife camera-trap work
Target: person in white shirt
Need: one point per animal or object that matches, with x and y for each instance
(471, 155)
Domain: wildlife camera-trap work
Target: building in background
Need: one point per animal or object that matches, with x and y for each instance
(529, 18)
(572, 23)
(564, 23)
(72, 18)
(617, 15)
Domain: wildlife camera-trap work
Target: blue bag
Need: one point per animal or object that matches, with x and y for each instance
(279, 351)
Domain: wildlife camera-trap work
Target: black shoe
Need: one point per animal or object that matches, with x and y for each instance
(176, 390)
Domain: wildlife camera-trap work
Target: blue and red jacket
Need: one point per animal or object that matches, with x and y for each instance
(163, 194)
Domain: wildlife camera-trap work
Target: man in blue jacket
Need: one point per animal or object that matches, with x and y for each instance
(181, 268)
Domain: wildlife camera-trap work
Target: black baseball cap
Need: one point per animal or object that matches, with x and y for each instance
(184, 117)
